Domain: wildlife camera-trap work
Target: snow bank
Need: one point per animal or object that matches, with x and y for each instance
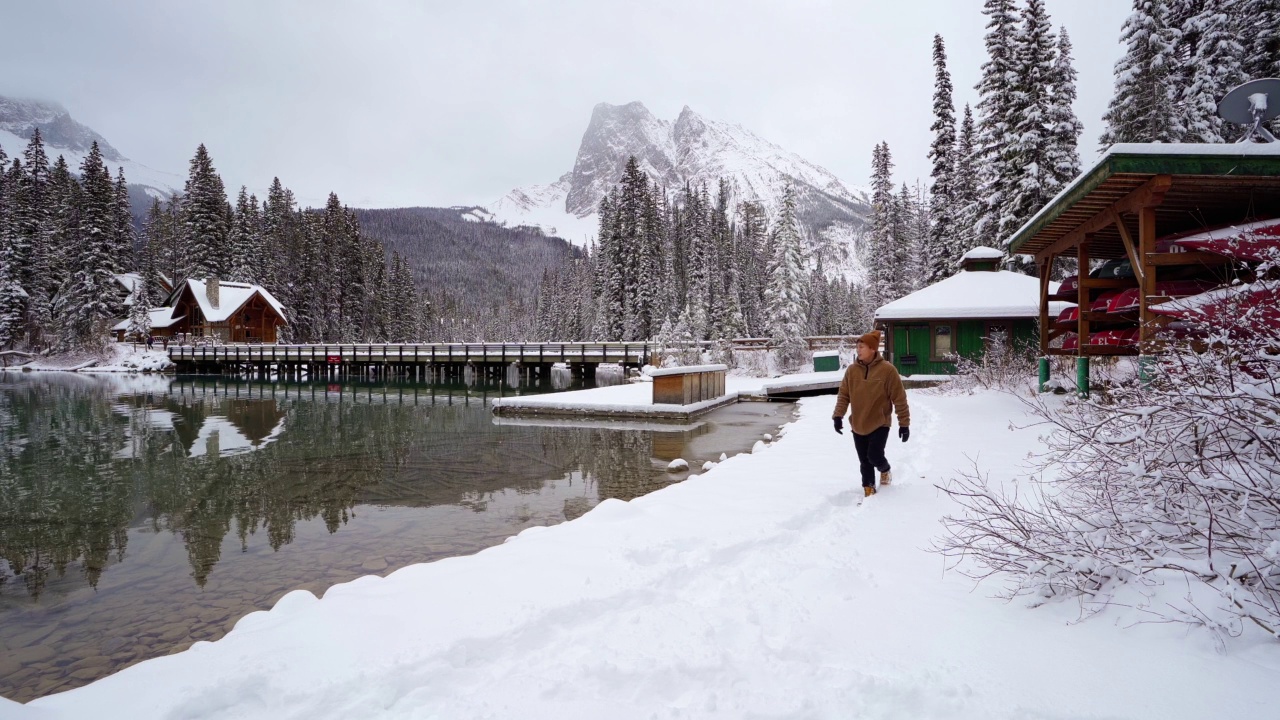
(764, 587)
(118, 357)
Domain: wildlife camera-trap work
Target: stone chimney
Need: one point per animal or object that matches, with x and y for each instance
(214, 290)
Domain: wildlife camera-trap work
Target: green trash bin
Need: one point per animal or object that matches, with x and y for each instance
(826, 361)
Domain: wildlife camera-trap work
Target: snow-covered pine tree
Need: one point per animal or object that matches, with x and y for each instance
(634, 255)
(122, 226)
(204, 210)
(654, 269)
(1026, 157)
(246, 242)
(785, 295)
(31, 209)
(1064, 127)
(996, 104)
(612, 280)
(903, 245)
(877, 250)
(544, 322)
(1215, 69)
(92, 301)
(936, 257)
(697, 228)
(754, 251)
(11, 294)
(1143, 108)
(966, 203)
(721, 265)
(139, 312)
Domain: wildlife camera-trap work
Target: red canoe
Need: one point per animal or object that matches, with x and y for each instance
(1254, 242)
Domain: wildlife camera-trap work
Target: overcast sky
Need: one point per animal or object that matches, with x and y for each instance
(395, 102)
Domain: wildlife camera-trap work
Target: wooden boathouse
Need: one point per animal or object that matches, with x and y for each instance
(1121, 222)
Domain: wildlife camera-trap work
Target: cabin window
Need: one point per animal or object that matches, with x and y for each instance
(943, 343)
(999, 335)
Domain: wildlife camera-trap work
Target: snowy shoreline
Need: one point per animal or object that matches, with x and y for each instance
(119, 358)
(763, 587)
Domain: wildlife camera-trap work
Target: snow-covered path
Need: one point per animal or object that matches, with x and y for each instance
(763, 588)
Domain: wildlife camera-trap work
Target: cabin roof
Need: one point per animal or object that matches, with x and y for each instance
(231, 297)
(160, 318)
(973, 295)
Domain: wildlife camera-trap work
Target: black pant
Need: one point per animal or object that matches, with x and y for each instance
(871, 454)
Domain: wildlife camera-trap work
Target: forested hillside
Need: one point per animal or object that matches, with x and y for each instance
(481, 272)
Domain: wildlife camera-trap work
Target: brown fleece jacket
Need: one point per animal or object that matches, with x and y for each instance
(874, 390)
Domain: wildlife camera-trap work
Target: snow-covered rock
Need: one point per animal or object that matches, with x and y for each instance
(677, 465)
(694, 150)
(708, 465)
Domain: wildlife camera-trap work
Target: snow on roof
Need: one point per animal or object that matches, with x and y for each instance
(231, 297)
(999, 294)
(129, 281)
(1232, 149)
(982, 252)
(160, 318)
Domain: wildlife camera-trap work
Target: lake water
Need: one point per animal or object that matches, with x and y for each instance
(139, 514)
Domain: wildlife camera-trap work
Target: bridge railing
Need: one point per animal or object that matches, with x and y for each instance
(629, 353)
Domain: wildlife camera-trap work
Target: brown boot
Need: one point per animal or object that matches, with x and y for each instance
(868, 491)
(886, 478)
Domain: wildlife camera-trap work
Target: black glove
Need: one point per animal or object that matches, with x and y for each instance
(904, 433)
(839, 423)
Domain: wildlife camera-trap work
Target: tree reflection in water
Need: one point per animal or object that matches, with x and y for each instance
(82, 461)
(191, 471)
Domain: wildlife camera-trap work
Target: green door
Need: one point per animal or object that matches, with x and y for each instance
(911, 349)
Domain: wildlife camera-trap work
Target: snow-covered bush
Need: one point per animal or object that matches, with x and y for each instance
(1002, 366)
(1170, 482)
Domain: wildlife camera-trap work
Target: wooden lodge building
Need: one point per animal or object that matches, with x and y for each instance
(926, 330)
(230, 312)
(1127, 222)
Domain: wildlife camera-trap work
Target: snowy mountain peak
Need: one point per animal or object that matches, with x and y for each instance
(695, 150)
(22, 117)
(62, 135)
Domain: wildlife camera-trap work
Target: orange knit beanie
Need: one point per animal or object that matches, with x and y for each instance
(871, 340)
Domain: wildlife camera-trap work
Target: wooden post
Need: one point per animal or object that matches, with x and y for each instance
(1083, 295)
(1046, 269)
(1146, 246)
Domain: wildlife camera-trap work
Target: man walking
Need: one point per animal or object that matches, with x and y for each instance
(872, 389)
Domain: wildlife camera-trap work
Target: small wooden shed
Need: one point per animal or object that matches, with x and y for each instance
(688, 385)
(926, 330)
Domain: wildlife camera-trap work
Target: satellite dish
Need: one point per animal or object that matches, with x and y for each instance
(1253, 104)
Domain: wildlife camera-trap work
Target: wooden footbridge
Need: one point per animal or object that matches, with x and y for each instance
(431, 362)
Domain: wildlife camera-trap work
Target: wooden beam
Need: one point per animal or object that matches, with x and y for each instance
(1149, 194)
(1129, 249)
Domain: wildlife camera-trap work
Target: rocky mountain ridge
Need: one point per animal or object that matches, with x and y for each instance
(65, 136)
(695, 150)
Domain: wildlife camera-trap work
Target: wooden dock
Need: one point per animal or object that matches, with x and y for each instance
(425, 362)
